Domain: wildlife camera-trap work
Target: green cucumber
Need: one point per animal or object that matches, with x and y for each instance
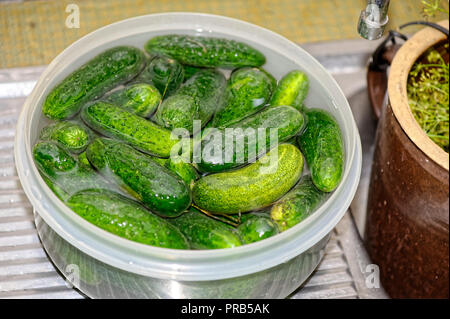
(255, 227)
(205, 51)
(159, 189)
(292, 140)
(126, 218)
(248, 91)
(186, 171)
(115, 122)
(291, 90)
(139, 98)
(161, 161)
(189, 71)
(285, 119)
(55, 188)
(252, 187)
(298, 204)
(321, 143)
(64, 173)
(197, 99)
(101, 74)
(164, 73)
(204, 232)
(83, 161)
(73, 136)
(52, 159)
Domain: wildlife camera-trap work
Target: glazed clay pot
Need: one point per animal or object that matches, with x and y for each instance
(407, 231)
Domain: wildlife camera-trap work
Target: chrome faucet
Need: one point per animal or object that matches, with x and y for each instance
(373, 19)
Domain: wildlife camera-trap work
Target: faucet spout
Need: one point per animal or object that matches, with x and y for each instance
(373, 19)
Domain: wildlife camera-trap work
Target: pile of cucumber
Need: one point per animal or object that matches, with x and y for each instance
(109, 152)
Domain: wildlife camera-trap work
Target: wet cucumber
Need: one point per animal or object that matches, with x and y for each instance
(161, 161)
(185, 171)
(155, 186)
(255, 227)
(291, 90)
(83, 161)
(125, 218)
(197, 99)
(189, 71)
(287, 120)
(140, 98)
(115, 122)
(73, 136)
(101, 74)
(298, 204)
(164, 73)
(205, 51)
(321, 143)
(292, 140)
(252, 187)
(64, 173)
(52, 159)
(248, 91)
(203, 232)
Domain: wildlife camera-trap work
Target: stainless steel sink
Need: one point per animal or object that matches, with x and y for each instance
(26, 272)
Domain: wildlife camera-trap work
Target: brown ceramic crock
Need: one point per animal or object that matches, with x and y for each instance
(407, 231)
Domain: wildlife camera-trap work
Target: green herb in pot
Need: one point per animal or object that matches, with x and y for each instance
(428, 96)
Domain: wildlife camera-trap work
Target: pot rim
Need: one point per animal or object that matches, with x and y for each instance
(403, 61)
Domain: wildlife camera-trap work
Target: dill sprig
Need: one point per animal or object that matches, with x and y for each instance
(428, 94)
(432, 7)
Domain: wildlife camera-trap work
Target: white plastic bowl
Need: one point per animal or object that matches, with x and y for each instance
(110, 266)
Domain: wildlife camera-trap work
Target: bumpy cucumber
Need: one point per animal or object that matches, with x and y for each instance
(205, 51)
(113, 121)
(291, 90)
(285, 119)
(248, 91)
(298, 204)
(101, 74)
(184, 170)
(140, 98)
(161, 161)
(189, 71)
(52, 159)
(164, 73)
(322, 145)
(155, 186)
(203, 232)
(252, 187)
(73, 136)
(197, 99)
(55, 188)
(64, 173)
(292, 140)
(83, 161)
(255, 227)
(126, 218)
